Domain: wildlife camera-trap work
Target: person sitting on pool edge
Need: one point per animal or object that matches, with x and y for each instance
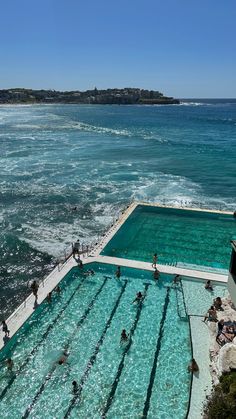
(193, 367)
(211, 315)
(218, 304)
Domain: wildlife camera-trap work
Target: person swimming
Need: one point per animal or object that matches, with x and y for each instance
(138, 298)
(118, 272)
(156, 274)
(75, 387)
(10, 364)
(124, 336)
(176, 279)
(208, 285)
(63, 358)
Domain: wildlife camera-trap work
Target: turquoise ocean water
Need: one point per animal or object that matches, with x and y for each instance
(97, 159)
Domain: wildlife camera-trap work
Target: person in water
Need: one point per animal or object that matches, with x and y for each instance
(10, 364)
(75, 387)
(58, 289)
(156, 274)
(193, 367)
(63, 358)
(118, 272)
(138, 298)
(5, 328)
(49, 297)
(208, 285)
(124, 336)
(176, 279)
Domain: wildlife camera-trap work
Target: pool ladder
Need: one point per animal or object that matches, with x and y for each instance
(180, 300)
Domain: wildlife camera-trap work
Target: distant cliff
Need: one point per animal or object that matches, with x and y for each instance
(127, 96)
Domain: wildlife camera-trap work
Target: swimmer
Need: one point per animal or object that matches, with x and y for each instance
(176, 279)
(75, 387)
(156, 274)
(10, 364)
(5, 328)
(193, 367)
(49, 297)
(80, 263)
(63, 358)
(124, 337)
(118, 273)
(58, 289)
(208, 285)
(138, 298)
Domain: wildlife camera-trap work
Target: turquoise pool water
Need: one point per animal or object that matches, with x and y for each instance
(180, 237)
(147, 377)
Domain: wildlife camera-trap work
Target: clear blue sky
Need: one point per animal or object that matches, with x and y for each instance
(184, 48)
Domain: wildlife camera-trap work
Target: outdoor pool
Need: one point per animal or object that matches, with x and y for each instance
(146, 377)
(184, 238)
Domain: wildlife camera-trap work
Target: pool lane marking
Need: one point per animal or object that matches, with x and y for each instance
(94, 355)
(35, 349)
(154, 366)
(121, 365)
(49, 375)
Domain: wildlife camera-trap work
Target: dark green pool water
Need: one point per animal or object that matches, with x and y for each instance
(182, 237)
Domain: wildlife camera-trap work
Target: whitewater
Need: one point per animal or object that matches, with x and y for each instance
(67, 170)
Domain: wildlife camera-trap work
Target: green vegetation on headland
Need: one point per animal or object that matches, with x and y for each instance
(126, 96)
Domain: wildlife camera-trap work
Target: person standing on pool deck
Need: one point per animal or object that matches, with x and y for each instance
(5, 328)
(154, 261)
(118, 273)
(34, 286)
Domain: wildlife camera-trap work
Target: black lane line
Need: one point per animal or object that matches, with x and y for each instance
(154, 366)
(121, 365)
(65, 349)
(35, 349)
(94, 355)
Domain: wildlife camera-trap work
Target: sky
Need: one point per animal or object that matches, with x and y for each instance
(183, 48)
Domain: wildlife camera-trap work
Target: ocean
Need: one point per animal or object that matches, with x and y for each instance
(67, 170)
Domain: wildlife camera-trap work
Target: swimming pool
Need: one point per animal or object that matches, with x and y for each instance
(183, 238)
(146, 377)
